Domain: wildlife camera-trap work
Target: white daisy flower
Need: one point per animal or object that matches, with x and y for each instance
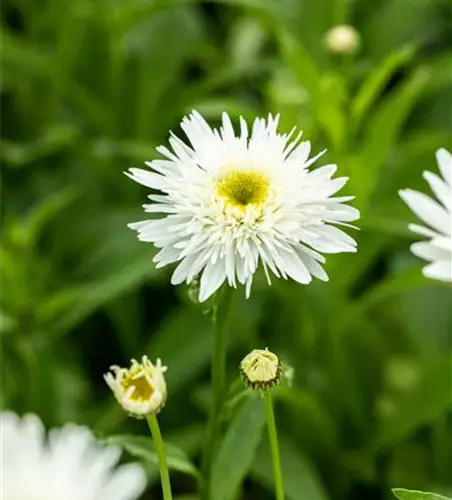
(438, 219)
(141, 389)
(68, 464)
(230, 202)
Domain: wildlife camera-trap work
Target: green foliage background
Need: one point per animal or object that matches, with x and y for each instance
(88, 89)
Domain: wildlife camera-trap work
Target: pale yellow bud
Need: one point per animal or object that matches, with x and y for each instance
(343, 39)
(260, 369)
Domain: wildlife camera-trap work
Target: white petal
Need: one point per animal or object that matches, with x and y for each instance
(442, 191)
(428, 210)
(326, 172)
(444, 159)
(440, 270)
(442, 242)
(227, 129)
(149, 179)
(314, 159)
(312, 265)
(183, 270)
(301, 153)
(425, 250)
(212, 278)
(294, 267)
(333, 240)
(422, 230)
(127, 483)
(167, 255)
(340, 213)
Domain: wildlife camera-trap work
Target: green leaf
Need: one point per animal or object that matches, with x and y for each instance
(150, 43)
(300, 478)
(55, 139)
(327, 92)
(186, 355)
(429, 401)
(143, 447)
(235, 396)
(383, 131)
(237, 449)
(75, 304)
(46, 210)
(312, 415)
(375, 82)
(299, 59)
(403, 494)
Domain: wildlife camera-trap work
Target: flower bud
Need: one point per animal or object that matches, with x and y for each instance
(141, 389)
(343, 39)
(260, 369)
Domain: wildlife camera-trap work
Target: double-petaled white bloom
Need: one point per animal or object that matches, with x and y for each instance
(141, 389)
(67, 464)
(438, 219)
(230, 202)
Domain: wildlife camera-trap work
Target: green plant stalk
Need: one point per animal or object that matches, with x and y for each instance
(160, 449)
(274, 447)
(218, 374)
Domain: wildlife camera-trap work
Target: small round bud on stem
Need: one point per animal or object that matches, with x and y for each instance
(343, 39)
(260, 369)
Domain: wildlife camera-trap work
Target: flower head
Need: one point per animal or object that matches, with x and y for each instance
(68, 464)
(231, 202)
(343, 39)
(141, 389)
(260, 369)
(436, 215)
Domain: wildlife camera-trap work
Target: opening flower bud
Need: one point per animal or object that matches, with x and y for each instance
(141, 389)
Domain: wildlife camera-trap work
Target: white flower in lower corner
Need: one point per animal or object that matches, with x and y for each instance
(141, 389)
(231, 202)
(436, 215)
(67, 464)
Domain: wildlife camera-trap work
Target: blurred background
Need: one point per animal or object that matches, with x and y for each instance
(88, 89)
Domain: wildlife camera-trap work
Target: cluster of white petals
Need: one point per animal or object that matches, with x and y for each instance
(67, 464)
(436, 215)
(230, 202)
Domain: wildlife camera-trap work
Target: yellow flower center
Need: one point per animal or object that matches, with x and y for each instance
(242, 188)
(142, 388)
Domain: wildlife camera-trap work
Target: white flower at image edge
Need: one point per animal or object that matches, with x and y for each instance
(231, 202)
(436, 215)
(67, 464)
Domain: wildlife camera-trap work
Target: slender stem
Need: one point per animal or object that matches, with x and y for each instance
(279, 489)
(218, 375)
(160, 449)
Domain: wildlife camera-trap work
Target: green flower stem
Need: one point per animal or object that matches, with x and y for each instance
(218, 374)
(160, 449)
(279, 488)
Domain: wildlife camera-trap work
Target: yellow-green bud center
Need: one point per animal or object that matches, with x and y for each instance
(143, 390)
